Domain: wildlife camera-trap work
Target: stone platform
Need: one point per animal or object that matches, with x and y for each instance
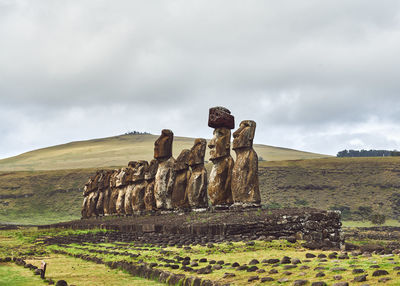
(320, 229)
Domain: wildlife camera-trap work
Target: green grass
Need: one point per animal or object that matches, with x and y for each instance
(390, 222)
(11, 274)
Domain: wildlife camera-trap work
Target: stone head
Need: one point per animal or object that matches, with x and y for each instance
(182, 162)
(163, 145)
(243, 137)
(151, 170)
(139, 171)
(220, 143)
(198, 152)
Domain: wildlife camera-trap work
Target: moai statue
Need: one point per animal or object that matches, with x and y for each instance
(165, 177)
(100, 191)
(245, 187)
(150, 174)
(197, 185)
(139, 186)
(182, 174)
(85, 204)
(129, 188)
(219, 186)
(114, 192)
(107, 192)
(120, 184)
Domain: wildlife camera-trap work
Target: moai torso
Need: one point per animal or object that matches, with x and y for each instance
(107, 193)
(182, 174)
(245, 184)
(120, 184)
(165, 176)
(130, 185)
(114, 191)
(197, 185)
(219, 185)
(150, 173)
(139, 186)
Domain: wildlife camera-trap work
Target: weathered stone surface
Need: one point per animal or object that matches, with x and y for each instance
(150, 173)
(219, 186)
(139, 186)
(245, 184)
(220, 117)
(197, 184)
(182, 175)
(165, 176)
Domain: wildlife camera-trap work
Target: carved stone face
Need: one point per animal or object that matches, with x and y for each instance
(151, 170)
(163, 145)
(220, 143)
(138, 173)
(243, 137)
(182, 162)
(198, 152)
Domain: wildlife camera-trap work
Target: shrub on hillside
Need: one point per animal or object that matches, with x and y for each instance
(345, 210)
(378, 218)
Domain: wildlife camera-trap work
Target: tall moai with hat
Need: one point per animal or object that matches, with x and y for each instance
(165, 176)
(245, 184)
(219, 185)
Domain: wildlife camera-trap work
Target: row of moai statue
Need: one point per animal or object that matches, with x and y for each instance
(168, 184)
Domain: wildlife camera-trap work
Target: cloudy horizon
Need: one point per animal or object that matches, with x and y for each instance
(315, 76)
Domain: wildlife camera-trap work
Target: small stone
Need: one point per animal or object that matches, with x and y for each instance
(396, 268)
(254, 261)
(252, 269)
(229, 275)
(287, 273)
(360, 278)
(235, 264)
(310, 255)
(384, 279)
(272, 261)
(300, 282)
(212, 262)
(216, 267)
(253, 278)
(357, 271)
(340, 284)
(267, 279)
(304, 267)
(260, 271)
(320, 274)
(337, 277)
(283, 280)
(242, 267)
(273, 271)
(380, 272)
(374, 266)
(220, 262)
(319, 283)
(321, 255)
(286, 260)
(296, 261)
(290, 266)
(338, 269)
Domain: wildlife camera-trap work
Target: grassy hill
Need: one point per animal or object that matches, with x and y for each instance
(117, 151)
(350, 184)
(44, 186)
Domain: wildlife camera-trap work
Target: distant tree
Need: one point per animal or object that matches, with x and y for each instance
(260, 158)
(367, 153)
(136, 133)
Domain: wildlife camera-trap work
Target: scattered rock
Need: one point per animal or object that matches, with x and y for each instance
(320, 274)
(286, 260)
(229, 275)
(310, 255)
(337, 277)
(384, 279)
(360, 278)
(253, 278)
(300, 282)
(380, 272)
(252, 268)
(319, 283)
(61, 283)
(357, 271)
(273, 271)
(267, 279)
(254, 261)
(340, 284)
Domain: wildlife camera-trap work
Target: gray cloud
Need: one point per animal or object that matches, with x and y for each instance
(319, 76)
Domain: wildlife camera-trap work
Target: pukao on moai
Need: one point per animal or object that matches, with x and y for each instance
(197, 186)
(128, 200)
(245, 186)
(165, 177)
(150, 174)
(139, 186)
(219, 185)
(182, 174)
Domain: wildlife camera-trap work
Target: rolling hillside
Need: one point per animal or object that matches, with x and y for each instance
(117, 151)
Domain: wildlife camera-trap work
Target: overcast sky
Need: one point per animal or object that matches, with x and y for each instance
(319, 76)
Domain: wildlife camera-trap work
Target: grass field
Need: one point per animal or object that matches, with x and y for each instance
(66, 266)
(118, 151)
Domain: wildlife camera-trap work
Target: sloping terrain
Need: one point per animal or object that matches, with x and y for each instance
(354, 185)
(117, 151)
